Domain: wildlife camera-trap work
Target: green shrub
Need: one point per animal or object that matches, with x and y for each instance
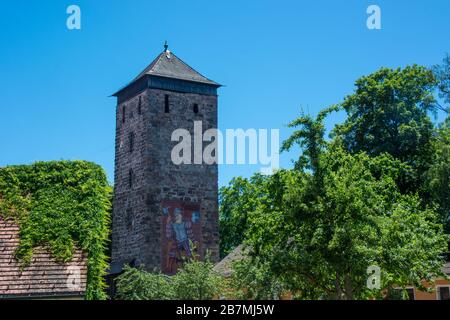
(196, 280)
(136, 284)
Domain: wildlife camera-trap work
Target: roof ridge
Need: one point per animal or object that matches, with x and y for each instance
(190, 67)
(150, 66)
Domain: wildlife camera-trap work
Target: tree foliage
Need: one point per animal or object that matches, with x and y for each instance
(438, 176)
(60, 204)
(196, 280)
(236, 200)
(253, 279)
(137, 284)
(319, 242)
(442, 74)
(361, 199)
(387, 113)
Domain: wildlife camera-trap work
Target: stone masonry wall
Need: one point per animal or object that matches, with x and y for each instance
(137, 216)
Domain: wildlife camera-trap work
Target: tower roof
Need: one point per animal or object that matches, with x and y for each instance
(168, 65)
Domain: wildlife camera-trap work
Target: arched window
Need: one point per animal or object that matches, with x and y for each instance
(195, 108)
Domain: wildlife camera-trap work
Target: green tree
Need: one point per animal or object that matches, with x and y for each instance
(311, 138)
(325, 226)
(375, 195)
(235, 201)
(438, 176)
(442, 74)
(387, 113)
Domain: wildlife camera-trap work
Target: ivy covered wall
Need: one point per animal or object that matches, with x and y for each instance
(60, 205)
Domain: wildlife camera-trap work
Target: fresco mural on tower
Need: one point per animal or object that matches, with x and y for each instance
(181, 226)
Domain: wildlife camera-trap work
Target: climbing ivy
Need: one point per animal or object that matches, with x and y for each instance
(60, 205)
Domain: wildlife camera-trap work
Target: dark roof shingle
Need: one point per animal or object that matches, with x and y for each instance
(167, 64)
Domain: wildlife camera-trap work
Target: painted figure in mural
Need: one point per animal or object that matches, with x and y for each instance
(179, 233)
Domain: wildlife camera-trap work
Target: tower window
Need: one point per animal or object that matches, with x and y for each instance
(166, 104)
(195, 108)
(123, 114)
(131, 142)
(130, 178)
(139, 105)
(129, 218)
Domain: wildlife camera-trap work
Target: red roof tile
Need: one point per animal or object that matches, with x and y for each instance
(43, 276)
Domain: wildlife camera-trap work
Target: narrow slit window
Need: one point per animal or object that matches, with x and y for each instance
(123, 114)
(140, 105)
(131, 142)
(130, 178)
(129, 218)
(195, 108)
(166, 104)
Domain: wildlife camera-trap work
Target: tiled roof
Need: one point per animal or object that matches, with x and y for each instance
(43, 276)
(446, 268)
(225, 266)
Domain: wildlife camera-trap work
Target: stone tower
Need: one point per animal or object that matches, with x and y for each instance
(160, 207)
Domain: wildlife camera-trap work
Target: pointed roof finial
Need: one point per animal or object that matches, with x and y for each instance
(166, 46)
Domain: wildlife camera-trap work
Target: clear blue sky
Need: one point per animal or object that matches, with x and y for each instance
(273, 57)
